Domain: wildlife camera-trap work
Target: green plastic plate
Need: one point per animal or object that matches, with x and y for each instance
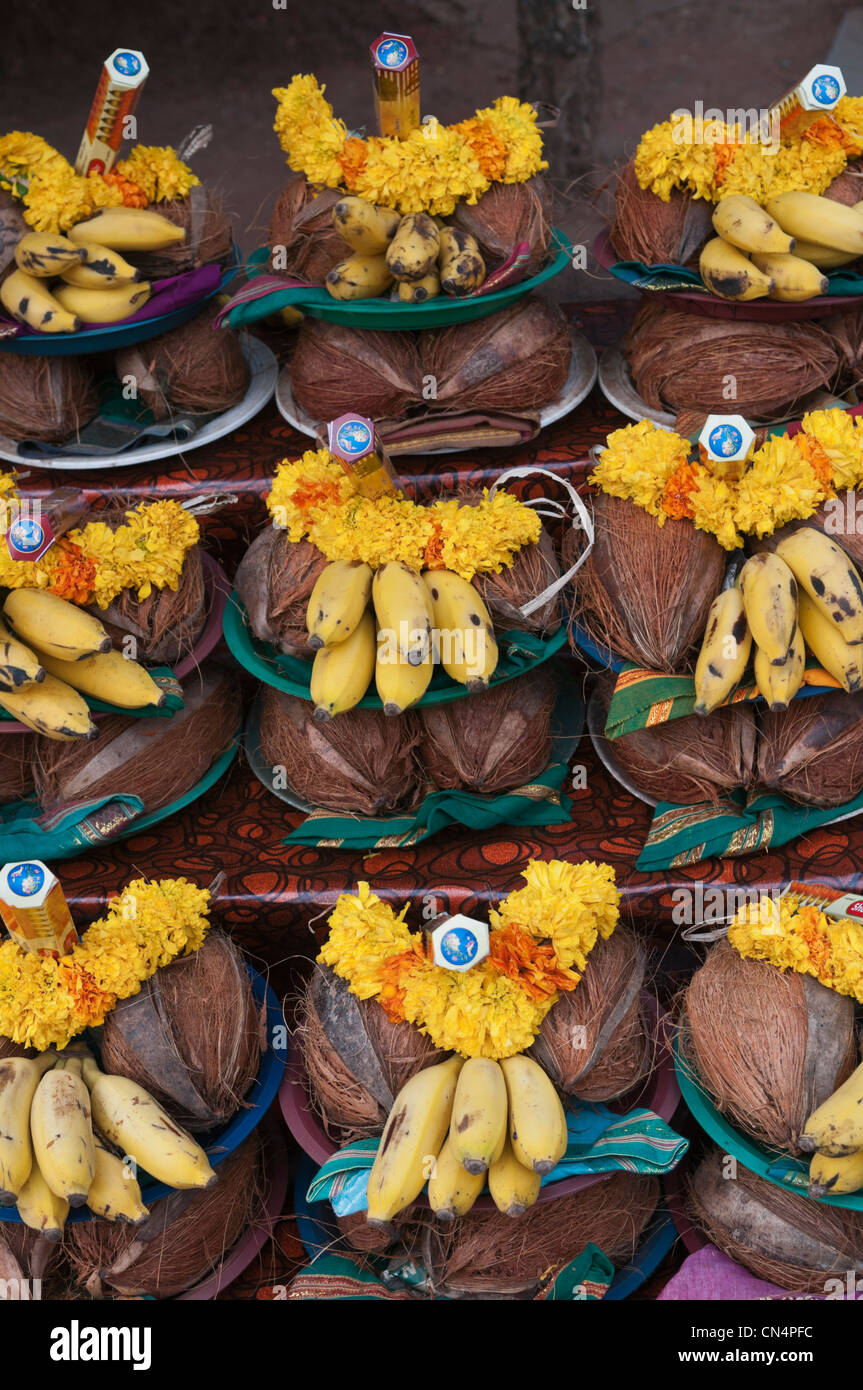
(752, 1155)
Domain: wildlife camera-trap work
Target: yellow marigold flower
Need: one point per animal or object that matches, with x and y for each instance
(56, 198)
(793, 937)
(430, 171)
(308, 132)
(23, 152)
(103, 194)
(779, 486)
(514, 124)
(479, 1013)
(836, 432)
(637, 463)
(158, 172)
(713, 502)
(570, 904)
(364, 933)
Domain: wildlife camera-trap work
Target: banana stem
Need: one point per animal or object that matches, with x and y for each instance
(90, 1071)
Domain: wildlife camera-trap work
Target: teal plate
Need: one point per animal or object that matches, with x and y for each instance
(751, 1154)
(292, 674)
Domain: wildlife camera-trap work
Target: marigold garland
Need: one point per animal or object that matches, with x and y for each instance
(313, 498)
(430, 170)
(46, 1002)
(495, 1009)
(792, 936)
(786, 480)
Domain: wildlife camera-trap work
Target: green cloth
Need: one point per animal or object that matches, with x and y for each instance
(680, 277)
(165, 680)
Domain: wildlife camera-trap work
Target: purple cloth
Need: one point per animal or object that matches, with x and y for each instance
(168, 295)
(710, 1275)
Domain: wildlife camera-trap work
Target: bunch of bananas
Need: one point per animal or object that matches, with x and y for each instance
(806, 594)
(420, 253)
(52, 653)
(61, 1120)
(92, 283)
(460, 1125)
(394, 625)
(780, 251)
(833, 1134)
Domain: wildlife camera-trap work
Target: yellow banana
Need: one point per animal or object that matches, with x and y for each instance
(45, 254)
(823, 256)
(53, 626)
(452, 1189)
(18, 665)
(136, 1124)
(52, 708)
(780, 681)
(29, 301)
(40, 1208)
(812, 218)
(823, 638)
(461, 267)
(359, 277)
(729, 273)
(724, 651)
(418, 291)
(412, 1139)
(413, 251)
(743, 222)
(770, 602)
(464, 629)
(108, 676)
(823, 569)
(365, 227)
(403, 610)
(398, 683)
(337, 602)
(62, 1132)
(793, 277)
(341, 674)
(100, 268)
(832, 1177)
(114, 1192)
(513, 1187)
(103, 305)
(479, 1114)
(836, 1127)
(537, 1120)
(19, 1077)
(128, 229)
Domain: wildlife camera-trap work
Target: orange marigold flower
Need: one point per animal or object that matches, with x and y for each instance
(91, 1003)
(724, 156)
(352, 159)
(393, 971)
(318, 493)
(486, 146)
(529, 963)
(133, 196)
(817, 942)
(826, 133)
(75, 579)
(433, 553)
(816, 456)
(678, 489)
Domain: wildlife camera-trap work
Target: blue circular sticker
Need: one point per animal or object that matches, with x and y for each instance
(26, 534)
(724, 441)
(458, 946)
(26, 879)
(353, 437)
(392, 53)
(129, 64)
(825, 90)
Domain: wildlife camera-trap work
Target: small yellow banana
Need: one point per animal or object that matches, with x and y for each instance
(724, 652)
(513, 1187)
(740, 220)
(780, 681)
(823, 256)
(769, 594)
(128, 229)
(100, 268)
(359, 277)
(452, 1189)
(810, 217)
(414, 249)
(468, 649)
(52, 708)
(403, 609)
(537, 1120)
(337, 602)
(45, 254)
(461, 267)
(62, 1132)
(730, 274)
(398, 683)
(40, 1208)
(18, 665)
(365, 227)
(832, 1177)
(793, 277)
(114, 1192)
(19, 1077)
(103, 305)
(413, 1137)
(29, 301)
(418, 291)
(341, 674)
(51, 625)
(108, 676)
(823, 638)
(830, 579)
(479, 1114)
(836, 1127)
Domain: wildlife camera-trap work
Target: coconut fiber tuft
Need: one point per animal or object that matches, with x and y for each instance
(46, 398)
(506, 214)
(335, 369)
(302, 224)
(274, 580)
(686, 761)
(165, 625)
(533, 569)
(16, 768)
(195, 369)
(515, 360)
(812, 752)
(649, 230)
(209, 236)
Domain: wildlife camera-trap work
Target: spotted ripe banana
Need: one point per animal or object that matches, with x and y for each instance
(19, 1077)
(780, 681)
(359, 277)
(28, 300)
(836, 1127)
(337, 602)
(730, 274)
(114, 1192)
(365, 227)
(724, 651)
(51, 625)
(823, 638)
(465, 632)
(452, 1189)
(107, 305)
(810, 217)
(414, 249)
(40, 1208)
(403, 609)
(823, 256)
(460, 265)
(100, 268)
(832, 1177)
(413, 1137)
(822, 568)
(46, 254)
(418, 291)
(479, 1115)
(743, 222)
(128, 229)
(537, 1120)
(108, 676)
(513, 1187)
(793, 277)
(341, 674)
(769, 594)
(52, 708)
(18, 665)
(398, 683)
(62, 1132)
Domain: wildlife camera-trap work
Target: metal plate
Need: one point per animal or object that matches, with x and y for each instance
(616, 384)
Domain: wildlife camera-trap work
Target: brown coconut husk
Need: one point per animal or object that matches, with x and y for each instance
(506, 214)
(361, 762)
(680, 361)
(812, 752)
(686, 761)
(12, 228)
(768, 1046)
(488, 1253)
(336, 369)
(517, 359)
(156, 759)
(274, 580)
(185, 1238)
(847, 187)
(165, 625)
(49, 399)
(654, 232)
(302, 223)
(594, 1043)
(16, 768)
(8, 1048)
(368, 1239)
(493, 742)
(356, 1060)
(191, 1036)
(645, 590)
(782, 1237)
(195, 369)
(533, 569)
(26, 1256)
(209, 236)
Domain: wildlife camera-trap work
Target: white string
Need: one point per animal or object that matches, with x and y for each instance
(547, 506)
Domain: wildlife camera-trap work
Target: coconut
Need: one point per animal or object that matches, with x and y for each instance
(356, 1059)
(645, 590)
(847, 187)
(767, 1045)
(195, 369)
(360, 762)
(274, 580)
(191, 1036)
(49, 399)
(335, 369)
(514, 360)
(209, 236)
(168, 622)
(594, 1042)
(655, 232)
(533, 569)
(16, 769)
(812, 752)
(782, 1237)
(25, 1257)
(493, 742)
(506, 214)
(303, 241)
(690, 760)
